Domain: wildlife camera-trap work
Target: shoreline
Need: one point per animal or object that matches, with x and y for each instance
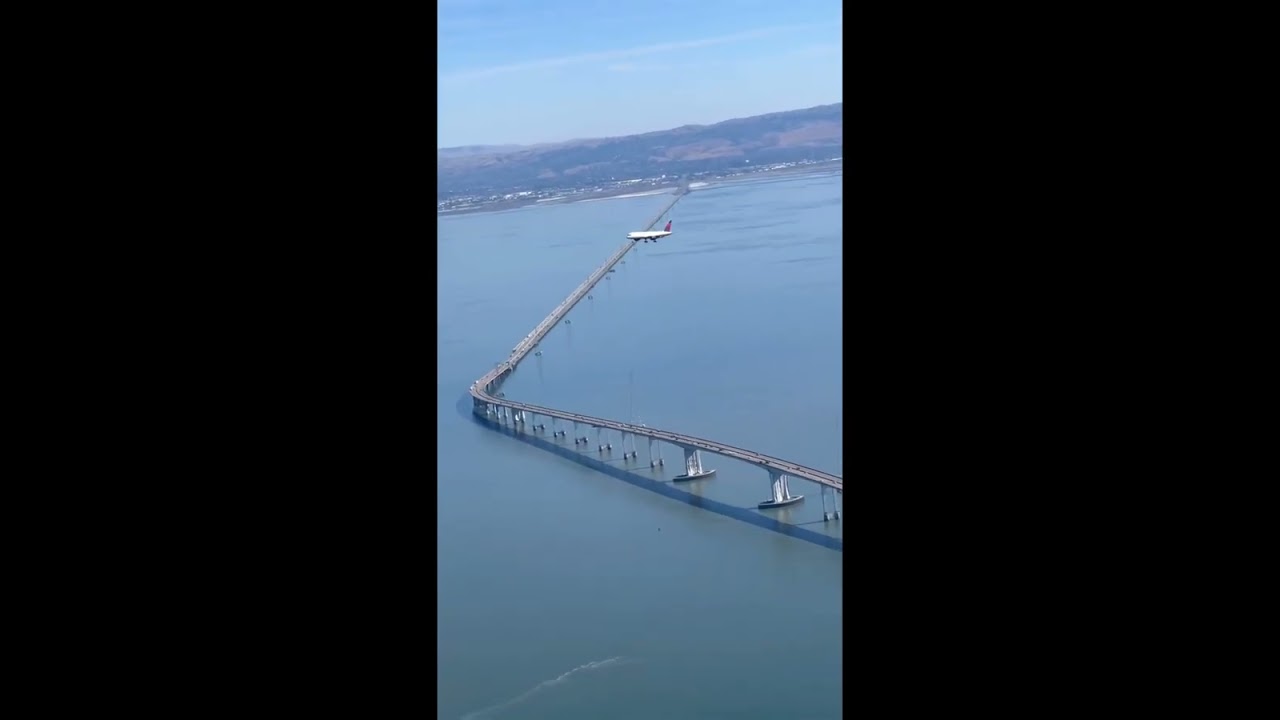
(647, 193)
(620, 193)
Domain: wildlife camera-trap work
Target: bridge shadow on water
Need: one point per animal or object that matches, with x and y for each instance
(747, 515)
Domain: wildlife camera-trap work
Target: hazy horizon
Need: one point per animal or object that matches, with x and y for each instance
(642, 132)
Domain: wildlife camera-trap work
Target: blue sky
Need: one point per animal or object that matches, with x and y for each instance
(530, 71)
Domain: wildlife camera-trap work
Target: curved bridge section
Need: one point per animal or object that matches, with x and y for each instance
(488, 401)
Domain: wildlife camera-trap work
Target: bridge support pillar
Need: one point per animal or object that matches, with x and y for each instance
(693, 466)
(659, 463)
(780, 491)
(834, 512)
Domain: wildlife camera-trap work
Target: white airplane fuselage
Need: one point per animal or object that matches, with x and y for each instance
(651, 235)
(648, 235)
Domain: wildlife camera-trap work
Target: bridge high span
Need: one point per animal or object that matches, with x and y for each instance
(488, 401)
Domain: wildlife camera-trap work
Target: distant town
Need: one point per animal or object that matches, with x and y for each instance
(489, 201)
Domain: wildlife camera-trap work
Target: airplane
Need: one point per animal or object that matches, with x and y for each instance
(654, 235)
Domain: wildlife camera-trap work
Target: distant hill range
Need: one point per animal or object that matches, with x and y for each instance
(811, 134)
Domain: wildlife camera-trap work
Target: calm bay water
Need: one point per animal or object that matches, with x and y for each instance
(566, 593)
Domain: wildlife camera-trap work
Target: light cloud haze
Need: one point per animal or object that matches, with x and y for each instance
(530, 72)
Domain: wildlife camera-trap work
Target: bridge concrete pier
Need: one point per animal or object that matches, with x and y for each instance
(834, 512)
(780, 491)
(660, 463)
(693, 466)
(602, 443)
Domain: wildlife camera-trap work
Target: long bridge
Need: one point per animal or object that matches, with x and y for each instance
(490, 402)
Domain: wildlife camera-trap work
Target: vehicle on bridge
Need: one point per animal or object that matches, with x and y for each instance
(652, 235)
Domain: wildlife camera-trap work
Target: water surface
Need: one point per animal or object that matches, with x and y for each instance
(566, 593)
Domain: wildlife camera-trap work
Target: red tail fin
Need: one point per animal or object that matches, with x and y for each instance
(668, 228)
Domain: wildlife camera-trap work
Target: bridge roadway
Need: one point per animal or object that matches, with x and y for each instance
(483, 389)
(765, 461)
(532, 339)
